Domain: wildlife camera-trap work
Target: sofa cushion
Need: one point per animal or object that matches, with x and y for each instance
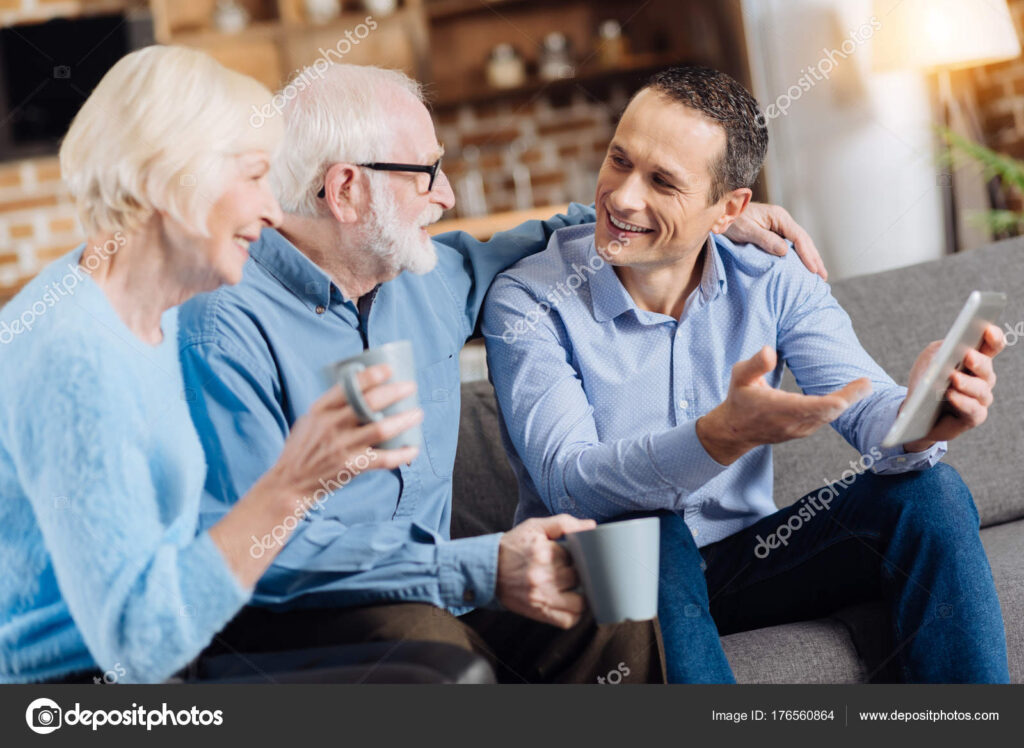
(807, 652)
(484, 491)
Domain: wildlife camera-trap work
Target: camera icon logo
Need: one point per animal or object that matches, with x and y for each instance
(43, 716)
(61, 71)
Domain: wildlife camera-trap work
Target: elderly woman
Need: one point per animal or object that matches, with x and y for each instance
(101, 471)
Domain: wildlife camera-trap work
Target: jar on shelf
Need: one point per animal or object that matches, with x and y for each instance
(319, 12)
(505, 67)
(380, 8)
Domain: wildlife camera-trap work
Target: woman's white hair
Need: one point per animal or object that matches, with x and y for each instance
(337, 115)
(158, 134)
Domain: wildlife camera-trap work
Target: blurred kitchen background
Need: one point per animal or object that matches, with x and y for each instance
(525, 95)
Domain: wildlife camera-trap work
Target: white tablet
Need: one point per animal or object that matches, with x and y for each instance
(922, 408)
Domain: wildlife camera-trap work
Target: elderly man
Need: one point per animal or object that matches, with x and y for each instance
(653, 387)
(359, 180)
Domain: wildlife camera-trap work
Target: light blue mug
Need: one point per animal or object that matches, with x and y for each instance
(617, 563)
(399, 356)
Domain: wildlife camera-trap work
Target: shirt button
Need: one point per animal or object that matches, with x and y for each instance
(320, 309)
(695, 531)
(684, 404)
(468, 596)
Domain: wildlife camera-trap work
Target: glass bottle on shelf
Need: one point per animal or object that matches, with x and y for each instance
(555, 60)
(469, 191)
(612, 44)
(522, 183)
(229, 17)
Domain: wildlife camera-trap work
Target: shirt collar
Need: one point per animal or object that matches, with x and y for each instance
(713, 278)
(292, 269)
(609, 297)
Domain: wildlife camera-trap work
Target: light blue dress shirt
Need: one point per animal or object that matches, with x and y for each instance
(253, 358)
(600, 399)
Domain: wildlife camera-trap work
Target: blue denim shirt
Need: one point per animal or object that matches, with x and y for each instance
(253, 357)
(600, 398)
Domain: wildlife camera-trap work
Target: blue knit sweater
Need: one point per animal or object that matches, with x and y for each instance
(101, 473)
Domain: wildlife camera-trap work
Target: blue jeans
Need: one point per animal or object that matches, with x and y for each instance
(910, 540)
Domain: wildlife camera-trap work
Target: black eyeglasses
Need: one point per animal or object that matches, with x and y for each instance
(432, 170)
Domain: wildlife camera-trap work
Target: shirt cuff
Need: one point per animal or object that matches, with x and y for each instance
(897, 460)
(680, 458)
(468, 571)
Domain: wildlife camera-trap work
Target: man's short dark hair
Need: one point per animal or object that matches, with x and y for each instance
(719, 97)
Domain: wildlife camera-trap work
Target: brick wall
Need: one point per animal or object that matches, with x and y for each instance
(37, 217)
(560, 140)
(37, 221)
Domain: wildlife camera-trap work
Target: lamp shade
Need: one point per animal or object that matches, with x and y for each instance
(934, 34)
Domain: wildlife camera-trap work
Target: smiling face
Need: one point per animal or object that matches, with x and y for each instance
(236, 219)
(653, 187)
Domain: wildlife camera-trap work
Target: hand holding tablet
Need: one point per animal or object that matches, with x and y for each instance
(923, 407)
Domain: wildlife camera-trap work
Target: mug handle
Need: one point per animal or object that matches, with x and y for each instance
(355, 395)
(564, 542)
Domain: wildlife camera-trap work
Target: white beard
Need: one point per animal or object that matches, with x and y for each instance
(401, 247)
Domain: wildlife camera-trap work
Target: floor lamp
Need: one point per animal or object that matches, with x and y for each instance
(938, 37)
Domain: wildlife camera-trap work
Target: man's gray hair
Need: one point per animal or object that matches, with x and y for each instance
(339, 116)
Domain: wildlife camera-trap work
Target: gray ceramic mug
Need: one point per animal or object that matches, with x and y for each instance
(399, 356)
(618, 565)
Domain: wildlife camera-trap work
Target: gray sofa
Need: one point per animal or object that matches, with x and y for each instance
(895, 314)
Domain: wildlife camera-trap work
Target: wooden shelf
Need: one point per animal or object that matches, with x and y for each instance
(260, 30)
(279, 40)
(444, 10)
(481, 92)
(446, 43)
(484, 227)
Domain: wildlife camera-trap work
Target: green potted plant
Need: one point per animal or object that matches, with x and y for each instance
(1008, 170)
